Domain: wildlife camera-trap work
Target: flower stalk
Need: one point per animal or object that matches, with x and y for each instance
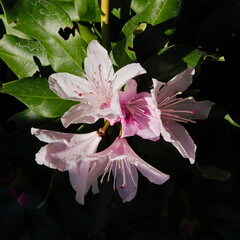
(102, 130)
(105, 24)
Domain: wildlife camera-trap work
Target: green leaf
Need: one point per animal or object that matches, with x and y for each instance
(37, 96)
(12, 31)
(138, 5)
(172, 60)
(212, 172)
(69, 7)
(122, 55)
(230, 120)
(88, 10)
(18, 54)
(154, 12)
(86, 34)
(53, 28)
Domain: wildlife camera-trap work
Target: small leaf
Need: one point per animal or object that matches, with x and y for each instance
(88, 10)
(212, 172)
(229, 119)
(37, 96)
(18, 54)
(140, 28)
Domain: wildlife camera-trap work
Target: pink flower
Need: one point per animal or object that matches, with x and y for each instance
(98, 93)
(120, 160)
(65, 152)
(175, 110)
(140, 113)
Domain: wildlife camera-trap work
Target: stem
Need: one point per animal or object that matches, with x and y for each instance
(102, 130)
(49, 190)
(105, 24)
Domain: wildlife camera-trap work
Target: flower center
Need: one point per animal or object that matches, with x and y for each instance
(118, 165)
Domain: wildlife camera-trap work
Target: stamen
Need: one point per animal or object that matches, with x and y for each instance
(168, 99)
(178, 111)
(178, 100)
(130, 173)
(105, 171)
(114, 180)
(123, 174)
(109, 172)
(174, 117)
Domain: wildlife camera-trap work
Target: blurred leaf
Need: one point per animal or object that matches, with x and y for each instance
(222, 220)
(145, 45)
(28, 118)
(172, 60)
(37, 96)
(18, 54)
(53, 28)
(229, 119)
(162, 155)
(88, 10)
(212, 172)
(154, 12)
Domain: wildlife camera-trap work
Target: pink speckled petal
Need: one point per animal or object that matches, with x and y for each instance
(68, 86)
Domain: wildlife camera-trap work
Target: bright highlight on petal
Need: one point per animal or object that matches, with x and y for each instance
(175, 110)
(99, 89)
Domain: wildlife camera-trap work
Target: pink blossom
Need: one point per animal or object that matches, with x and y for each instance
(140, 113)
(98, 93)
(120, 160)
(175, 110)
(65, 152)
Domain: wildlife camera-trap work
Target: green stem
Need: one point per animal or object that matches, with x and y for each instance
(49, 190)
(105, 24)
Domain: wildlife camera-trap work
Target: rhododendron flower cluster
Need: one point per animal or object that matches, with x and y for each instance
(113, 96)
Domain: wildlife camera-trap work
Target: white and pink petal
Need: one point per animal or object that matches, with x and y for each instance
(177, 84)
(69, 86)
(97, 59)
(182, 141)
(123, 75)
